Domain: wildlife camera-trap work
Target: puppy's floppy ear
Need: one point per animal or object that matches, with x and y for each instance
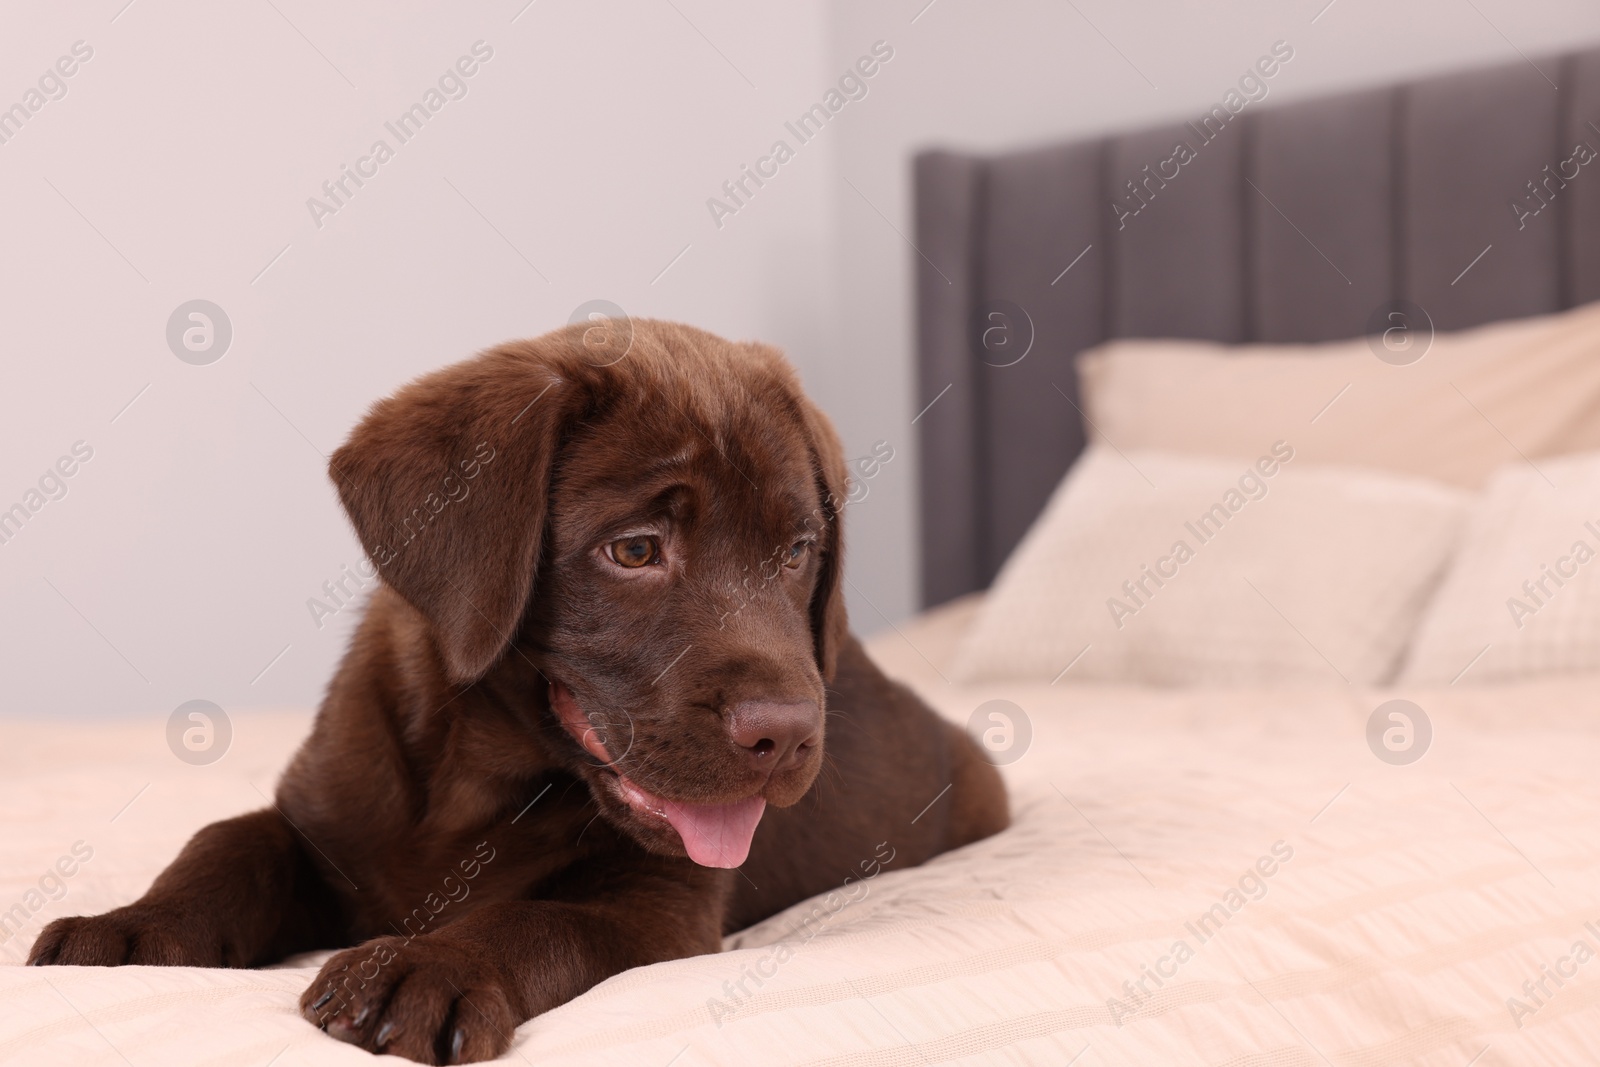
(445, 483)
(830, 627)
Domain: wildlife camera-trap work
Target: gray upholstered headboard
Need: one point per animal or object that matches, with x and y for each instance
(1297, 223)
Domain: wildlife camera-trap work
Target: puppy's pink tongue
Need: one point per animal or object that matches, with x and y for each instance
(715, 835)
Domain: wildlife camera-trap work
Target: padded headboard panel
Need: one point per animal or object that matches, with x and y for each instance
(1297, 223)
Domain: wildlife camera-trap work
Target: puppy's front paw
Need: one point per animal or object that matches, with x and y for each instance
(137, 934)
(427, 999)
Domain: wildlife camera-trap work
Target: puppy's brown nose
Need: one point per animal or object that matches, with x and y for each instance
(777, 736)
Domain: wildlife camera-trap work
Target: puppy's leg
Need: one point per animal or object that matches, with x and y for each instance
(242, 893)
(978, 799)
(457, 994)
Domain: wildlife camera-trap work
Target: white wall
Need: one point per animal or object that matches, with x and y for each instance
(186, 549)
(179, 163)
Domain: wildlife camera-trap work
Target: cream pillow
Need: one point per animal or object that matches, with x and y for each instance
(1167, 569)
(1470, 404)
(1522, 596)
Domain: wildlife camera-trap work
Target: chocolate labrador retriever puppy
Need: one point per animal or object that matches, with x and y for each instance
(608, 663)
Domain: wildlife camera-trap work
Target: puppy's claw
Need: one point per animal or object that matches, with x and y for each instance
(341, 1029)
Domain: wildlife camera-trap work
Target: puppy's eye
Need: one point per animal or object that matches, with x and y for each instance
(634, 552)
(797, 554)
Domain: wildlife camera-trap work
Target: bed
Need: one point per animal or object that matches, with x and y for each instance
(1410, 907)
(1211, 874)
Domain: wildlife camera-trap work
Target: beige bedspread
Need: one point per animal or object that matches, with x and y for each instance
(1192, 878)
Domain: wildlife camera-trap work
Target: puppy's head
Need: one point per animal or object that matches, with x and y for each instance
(652, 529)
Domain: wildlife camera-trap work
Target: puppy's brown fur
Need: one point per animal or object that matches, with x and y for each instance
(459, 814)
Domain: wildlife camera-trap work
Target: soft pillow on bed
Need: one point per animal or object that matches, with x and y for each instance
(1522, 596)
(1168, 569)
(1473, 402)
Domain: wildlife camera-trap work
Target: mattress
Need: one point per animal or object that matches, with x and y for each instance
(1200, 877)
